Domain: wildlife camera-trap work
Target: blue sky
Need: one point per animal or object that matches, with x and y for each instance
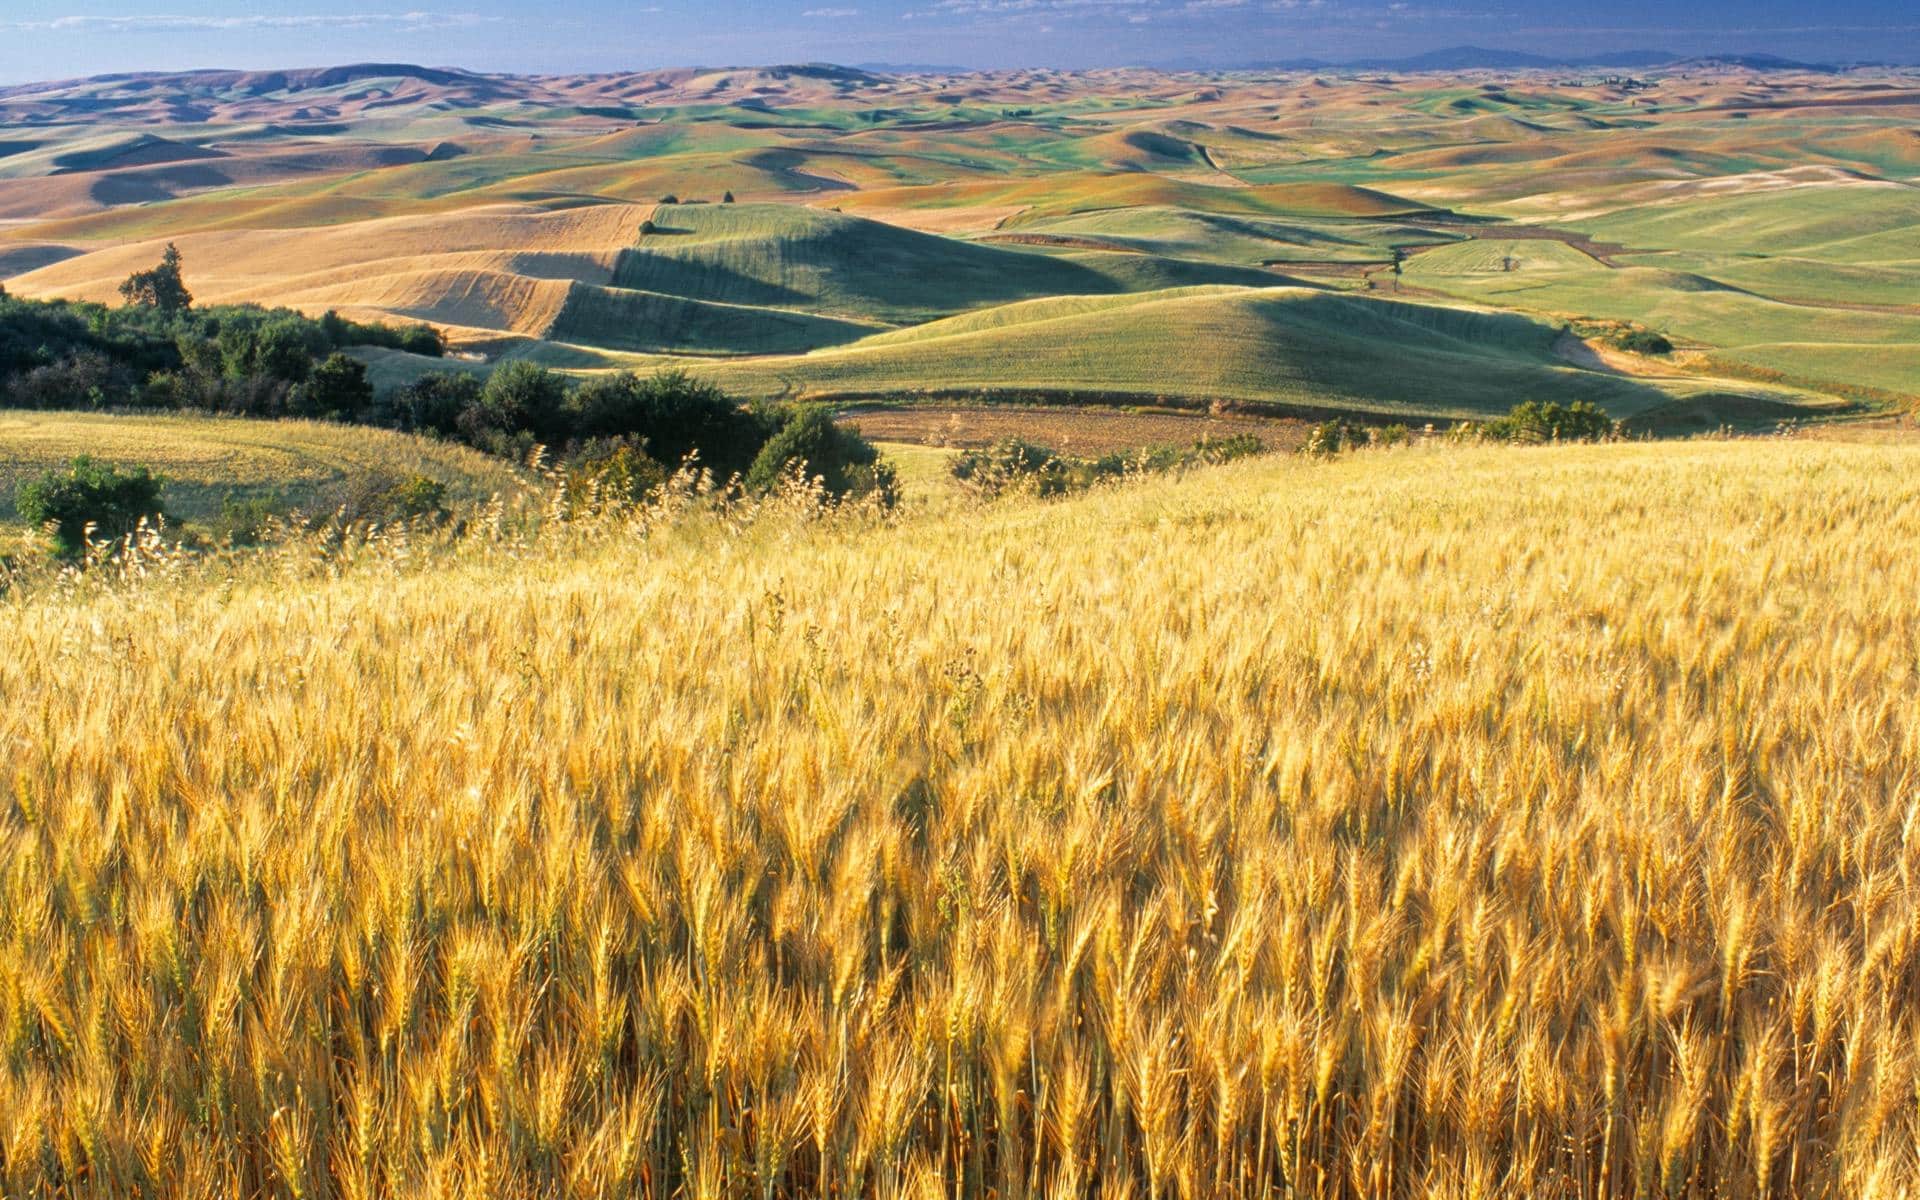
(41, 39)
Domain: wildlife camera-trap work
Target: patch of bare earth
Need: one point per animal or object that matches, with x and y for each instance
(958, 220)
(1084, 431)
(1597, 356)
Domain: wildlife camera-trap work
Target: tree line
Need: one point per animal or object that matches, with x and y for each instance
(160, 352)
(617, 436)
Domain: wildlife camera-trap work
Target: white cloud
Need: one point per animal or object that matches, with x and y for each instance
(185, 23)
(831, 14)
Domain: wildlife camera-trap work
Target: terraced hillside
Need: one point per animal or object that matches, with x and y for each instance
(815, 230)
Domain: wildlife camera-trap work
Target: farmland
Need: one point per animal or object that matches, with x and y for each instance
(1762, 221)
(1369, 654)
(287, 465)
(1430, 822)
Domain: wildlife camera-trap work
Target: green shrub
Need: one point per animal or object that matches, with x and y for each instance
(520, 397)
(433, 403)
(242, 521)
(1535, 421)
(610, 473)
(1016, 464)
(1013, 464)
(1331, 437)
(238, 359)
(846, 464)
(674, 415)
(416, 498)
(1643, 341)
(88, 493)
(338, 388)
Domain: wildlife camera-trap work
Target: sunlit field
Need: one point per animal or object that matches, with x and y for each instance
(1433, 822)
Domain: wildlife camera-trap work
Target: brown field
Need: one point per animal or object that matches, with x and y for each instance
(1072, 430)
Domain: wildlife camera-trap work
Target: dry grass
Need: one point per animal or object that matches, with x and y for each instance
(1477, 823)
(309, 465)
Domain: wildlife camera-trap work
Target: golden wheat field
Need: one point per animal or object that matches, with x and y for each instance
(1429, 823)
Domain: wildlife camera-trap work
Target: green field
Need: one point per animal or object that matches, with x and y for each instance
(1292, 346)
(782, 257)
(1766, 223)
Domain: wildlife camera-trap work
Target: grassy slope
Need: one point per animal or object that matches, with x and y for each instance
(1072, 192)
(1775, 222)
(1291, 345)
(620, 318)
(1230, 238)
(1575, 783)
(1860, 348)
(291, 464)
(799, 258)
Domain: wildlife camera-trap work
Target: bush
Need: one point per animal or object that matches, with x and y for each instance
(279, 347)
(1643, 341)
(1026, 466)
(1013, 463)
(242, 521)
(1551, 422)
(846, 464)
(112, 501)
(88, 379)
(520, 397)
(416, 498)
(433, 403)
(338, 388)
(674, 415)
(611, 473)
(1331, 437)
(231, 359)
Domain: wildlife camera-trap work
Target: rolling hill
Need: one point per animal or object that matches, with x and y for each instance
(1299, 349)
(1764, 218)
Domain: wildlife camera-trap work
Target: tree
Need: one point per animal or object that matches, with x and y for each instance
(434, 402)
(675, 415)
(1399, 263)
(160, 288)
(338, 387)
(519, 397)
(845, 463)
(283, 348)
(727, 199)
(1643, 341)
(89, 493)
(1535, 421)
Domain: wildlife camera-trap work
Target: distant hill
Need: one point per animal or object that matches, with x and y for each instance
(261, 83)
(1480, 58)
(1752, 62)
